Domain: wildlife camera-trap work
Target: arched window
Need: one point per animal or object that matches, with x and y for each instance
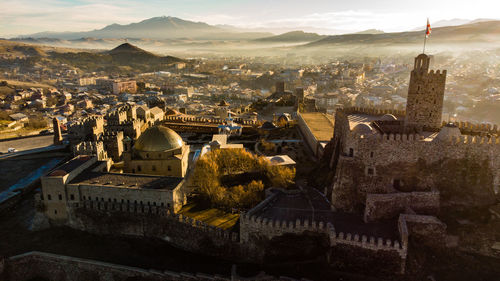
(351, 152)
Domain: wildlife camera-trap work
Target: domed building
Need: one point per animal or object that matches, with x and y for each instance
(158, 151)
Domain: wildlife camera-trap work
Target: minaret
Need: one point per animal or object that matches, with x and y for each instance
(57, 132)
(424, 105)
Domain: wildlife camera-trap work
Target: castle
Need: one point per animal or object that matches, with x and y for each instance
(385, 162)
(394, 170)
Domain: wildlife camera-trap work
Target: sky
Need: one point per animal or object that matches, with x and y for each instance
(22, 17)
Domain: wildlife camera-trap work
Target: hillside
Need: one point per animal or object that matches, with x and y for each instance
(13, 49)
(370, 31)
(124, 58)
(481, 32)
(292, 36)
(157, 28)
(127, 53)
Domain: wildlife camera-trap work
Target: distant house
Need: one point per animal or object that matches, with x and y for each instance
(143, 112)
(157, 114)
(19, 117)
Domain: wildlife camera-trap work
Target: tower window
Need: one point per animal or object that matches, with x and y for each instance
(60, 197)
(396, 184)
(371, 154)
(154, 168)
(55, 212)
(169, 168)
(49, 197)
(72, 197)
(351, 152)
(139, 168)
(370, 171)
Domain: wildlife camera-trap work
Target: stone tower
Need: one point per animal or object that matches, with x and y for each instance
(280, 87)
(57, 132)
(424, 105)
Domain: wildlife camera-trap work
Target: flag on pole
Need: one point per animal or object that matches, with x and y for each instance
(428, 29)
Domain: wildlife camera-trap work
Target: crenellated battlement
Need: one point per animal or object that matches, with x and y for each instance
(452, 140)
(271, 228)
(202, 120)
(150, 210)
(91, 121)
(432, 74)
(469, 127)
(479, 140)
(372, 111)
(117, 116)
(110, 135)
(90, 148)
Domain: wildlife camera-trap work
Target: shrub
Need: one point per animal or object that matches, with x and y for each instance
(212, 166)
(37, 123)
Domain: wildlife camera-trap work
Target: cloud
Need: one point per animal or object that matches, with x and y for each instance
(22, 16)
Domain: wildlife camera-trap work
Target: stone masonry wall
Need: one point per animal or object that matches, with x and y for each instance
(387, 206)
(464, 169)
(53, 267)
(253, 229)
(156, 222)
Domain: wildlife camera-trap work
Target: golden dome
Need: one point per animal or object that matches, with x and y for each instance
(158, 138)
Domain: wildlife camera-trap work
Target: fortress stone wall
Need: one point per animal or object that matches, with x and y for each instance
(135, 219)
(90, 148)
(342, 246)
(465, 168)
(90, 126)
(46, 266)
(390, 205)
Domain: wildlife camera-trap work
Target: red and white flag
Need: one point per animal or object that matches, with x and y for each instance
(428, 29)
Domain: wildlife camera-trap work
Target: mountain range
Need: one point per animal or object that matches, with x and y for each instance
(478, 32)
(158, 28)
(162, 34)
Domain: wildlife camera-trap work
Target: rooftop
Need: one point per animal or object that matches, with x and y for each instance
(313, 206)
(133, 181)
(379, 124)
(320, 124)
(69, 166)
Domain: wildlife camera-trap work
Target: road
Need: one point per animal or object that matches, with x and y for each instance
(27, 143)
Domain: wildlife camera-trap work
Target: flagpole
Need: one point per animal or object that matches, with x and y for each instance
(425, 35)
(425, 40)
